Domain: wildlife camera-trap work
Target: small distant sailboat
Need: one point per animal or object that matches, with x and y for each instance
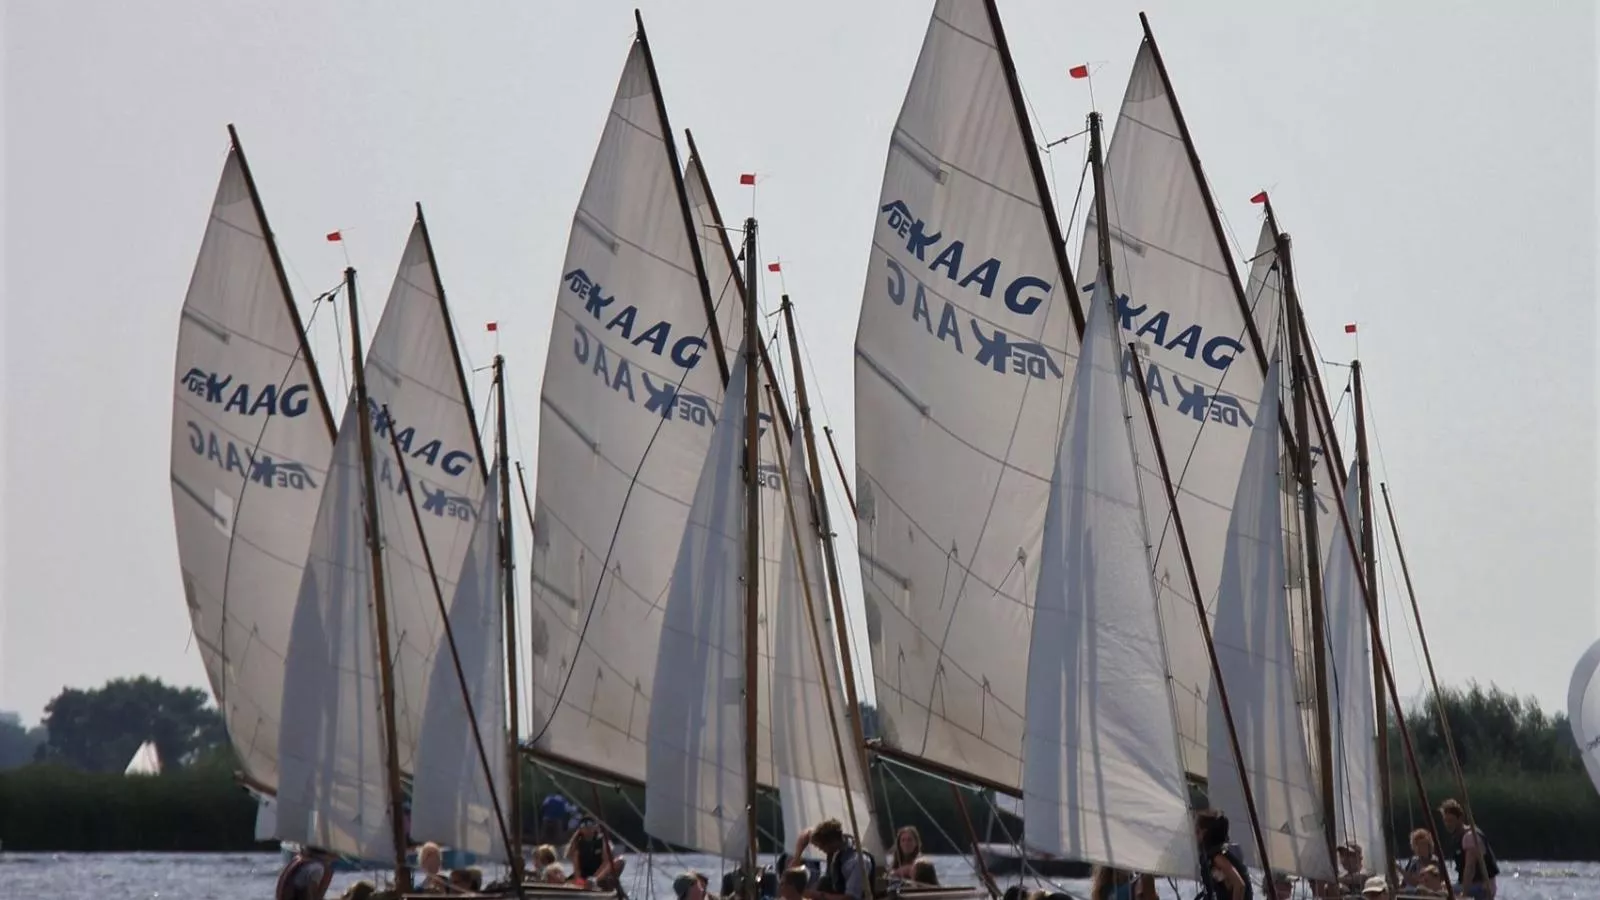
(146, 760)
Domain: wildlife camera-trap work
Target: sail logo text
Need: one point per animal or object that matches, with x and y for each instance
(1023, 293)
(219, 390)
(247, 462)
(1193, 398)
(684, 352)
(432, 452)
(664, 398)
(992, 348)
(1217, 351)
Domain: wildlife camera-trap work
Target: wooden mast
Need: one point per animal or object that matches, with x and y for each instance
(380, 605)
(508, 569)
(1369, 568)
(1312, 554)
(752, 555)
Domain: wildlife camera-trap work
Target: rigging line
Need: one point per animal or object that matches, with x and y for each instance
(972, 863)
(605, 577)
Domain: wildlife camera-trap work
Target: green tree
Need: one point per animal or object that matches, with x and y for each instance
(98, 730)
(18, 744)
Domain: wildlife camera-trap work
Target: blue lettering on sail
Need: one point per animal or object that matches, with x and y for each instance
(1023, 294)
(442, 503)
(659, 396)
(1192, 399)
(431, 452)
(769, 476)
(1217, 351)
(992, 348)
(684, 352)
(247, 462)
(218, 389)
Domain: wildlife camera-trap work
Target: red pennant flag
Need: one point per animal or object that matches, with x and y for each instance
(747, 178)
(1259, 198)
(335, 236)
(1079, 71)
(1350, 329)
(493, 326)
(774, 267)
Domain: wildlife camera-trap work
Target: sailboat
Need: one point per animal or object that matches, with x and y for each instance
(251, 439)
(1583, 710)
(146, 760)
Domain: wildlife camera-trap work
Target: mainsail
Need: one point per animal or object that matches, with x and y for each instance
(811, 724)
(631, 394)
(695, 792)
(965, 339)
(251, 438)
(1256, 662)
(419, 405)
(1358, 812)
(1583, 710)
(451, 796)
(1102, 777)
(1178, 298)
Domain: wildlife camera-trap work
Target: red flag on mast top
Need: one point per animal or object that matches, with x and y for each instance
(747, 178)
(774, 267)
(1260, 197)
(1079, 71)
(1350, 328)
(492, 326)
(335, 236)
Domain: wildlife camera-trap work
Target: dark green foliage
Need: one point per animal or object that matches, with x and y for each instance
(18, 745)
(98, 730)
(54, 808)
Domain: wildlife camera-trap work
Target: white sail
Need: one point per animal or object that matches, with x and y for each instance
(1255, 657)
(146, 760)
(1358, 811)
(332, 787)
(722, 276)
(266, 817)
(1102, 779)
(630, 397)
(695, 791)
(962, 352)
(418, 401)
(451, 801)
(251, 438)
(1583, 710)
(1177, 299)
(811, 721)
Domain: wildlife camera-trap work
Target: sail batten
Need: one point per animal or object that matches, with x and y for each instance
(251, 440)
(963, 349)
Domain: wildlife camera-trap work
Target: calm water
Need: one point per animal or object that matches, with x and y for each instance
(148, 876)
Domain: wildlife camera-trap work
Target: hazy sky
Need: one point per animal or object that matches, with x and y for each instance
(1435, 164)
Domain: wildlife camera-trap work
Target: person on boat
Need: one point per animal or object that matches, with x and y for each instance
(691, 885)
(1421, 857)
(589, 852)
(847, 874)
(554, 811)
(1223, 875)
(1111, 883)
(544, 856)
(1354, 876)
(1376, 888)
(1476, 867)
(907, 848)
(1277, 885)
(794, 884)
(467, 880)
(430, 862)
(305, 876)
(923, 872)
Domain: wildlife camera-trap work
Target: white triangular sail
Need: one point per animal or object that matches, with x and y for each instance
(332, 789)
(1256, 660)
(630, 397)
(722, 276)
(146, 760)
(451, 801)
(1102, 778)
(962, 352)
(1177, 299)
(1583, 710)
(695, 791)
(808, 699)
(418, 402)
(1358, 811)
(251, 438)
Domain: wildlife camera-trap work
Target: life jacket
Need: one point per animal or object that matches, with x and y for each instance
(591, 855)
(286, 889)
(1489, 863)
(1212, 889)
(835, 874)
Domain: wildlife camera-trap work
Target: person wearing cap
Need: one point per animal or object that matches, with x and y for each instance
(691, 885)
(1355, 876)
(1277, 885)
(1375, 888)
